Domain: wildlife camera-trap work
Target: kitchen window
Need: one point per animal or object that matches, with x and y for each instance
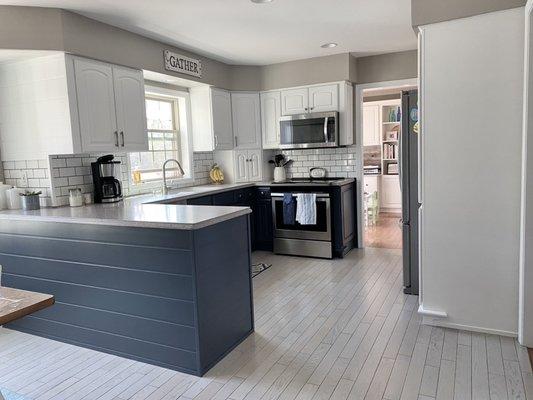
(167, 117)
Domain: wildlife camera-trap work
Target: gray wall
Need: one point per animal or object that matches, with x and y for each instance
(387, 67)
(305, 72)
(55, 29)
(425, 12)
(32, 28)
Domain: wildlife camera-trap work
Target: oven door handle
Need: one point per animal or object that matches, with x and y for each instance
(318, 195)
(326, 138)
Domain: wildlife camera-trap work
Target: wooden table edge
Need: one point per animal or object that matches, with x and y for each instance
(17, 314)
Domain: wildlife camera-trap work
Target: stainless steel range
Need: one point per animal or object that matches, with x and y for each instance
(313, 240)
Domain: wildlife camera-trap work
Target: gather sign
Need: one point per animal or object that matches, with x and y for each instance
(185, 65)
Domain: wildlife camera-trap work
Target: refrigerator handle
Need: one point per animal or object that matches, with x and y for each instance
(400, 156)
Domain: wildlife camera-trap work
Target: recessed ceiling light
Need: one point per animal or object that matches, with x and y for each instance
(261, 1)
(329, 45)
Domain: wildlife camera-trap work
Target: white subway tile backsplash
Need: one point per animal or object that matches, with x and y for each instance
(74, 162)
(338, 162)
(67, 172)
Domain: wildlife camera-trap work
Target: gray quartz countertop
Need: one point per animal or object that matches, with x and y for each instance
(135, 215)
(145, 211)
(150, 211)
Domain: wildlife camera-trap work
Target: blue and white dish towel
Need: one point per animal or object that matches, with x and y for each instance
(306, 208)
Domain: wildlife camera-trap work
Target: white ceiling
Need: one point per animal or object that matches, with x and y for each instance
(242, 32)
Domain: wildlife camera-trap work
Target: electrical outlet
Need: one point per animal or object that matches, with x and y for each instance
(24, 179)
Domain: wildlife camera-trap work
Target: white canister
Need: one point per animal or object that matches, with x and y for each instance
(3, 195)
(13, 198)
(75, 197)
(279, 174)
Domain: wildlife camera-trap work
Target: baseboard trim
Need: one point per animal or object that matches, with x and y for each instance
(431, 313)
(445, 324)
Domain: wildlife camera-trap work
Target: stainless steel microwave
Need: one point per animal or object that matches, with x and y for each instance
(308, 131)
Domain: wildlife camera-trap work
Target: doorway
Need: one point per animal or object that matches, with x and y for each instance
(388, 209)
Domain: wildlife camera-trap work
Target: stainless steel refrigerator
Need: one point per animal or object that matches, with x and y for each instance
(408, 169)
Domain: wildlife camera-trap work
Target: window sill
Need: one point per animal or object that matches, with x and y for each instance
(147, 187)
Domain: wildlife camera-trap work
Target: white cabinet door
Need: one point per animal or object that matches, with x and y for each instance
(391, 196)
(371, 125)
(371, 184)
(96, 105)
(294, 101)
(324, 98)
(270, 114)
(222, 124)
(255, 158)
(131, 109)
(241, 165)
(246, 113)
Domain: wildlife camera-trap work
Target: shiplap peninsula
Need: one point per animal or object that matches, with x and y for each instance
(158, 283)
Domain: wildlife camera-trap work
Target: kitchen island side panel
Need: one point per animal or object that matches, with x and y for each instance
(224, 288)
(125, 291)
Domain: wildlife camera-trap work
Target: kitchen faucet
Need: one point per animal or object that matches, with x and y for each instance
(165, 187)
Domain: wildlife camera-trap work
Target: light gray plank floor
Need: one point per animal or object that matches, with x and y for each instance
(325, 329)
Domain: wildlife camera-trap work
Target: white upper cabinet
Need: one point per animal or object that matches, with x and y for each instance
(371, 125)
(270, 115)
(222, 119)
(130, 108)
(86, 106)
(324, 98)
(246, 120)
(310, 99)
(96, 105)
(111, 106)
(211, 119)
(295, 101)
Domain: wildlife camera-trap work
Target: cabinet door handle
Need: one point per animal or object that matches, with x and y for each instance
(216, 141)
(116, 139)
(122, 137)
(235, 141)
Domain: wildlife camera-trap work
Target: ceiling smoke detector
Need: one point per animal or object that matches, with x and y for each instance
(329, 45)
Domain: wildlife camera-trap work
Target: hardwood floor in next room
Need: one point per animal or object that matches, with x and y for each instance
(325, 329)
(386, 233)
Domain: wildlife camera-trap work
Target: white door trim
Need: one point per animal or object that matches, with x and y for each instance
(525, 297)
(359, 142)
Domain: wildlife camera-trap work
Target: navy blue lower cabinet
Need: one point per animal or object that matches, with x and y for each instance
(173, 298)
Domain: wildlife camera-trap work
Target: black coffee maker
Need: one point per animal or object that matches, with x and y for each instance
(107, 188)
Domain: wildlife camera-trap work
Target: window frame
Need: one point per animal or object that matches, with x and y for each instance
(183, 122)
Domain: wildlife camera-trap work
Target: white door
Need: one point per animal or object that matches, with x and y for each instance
(294, 101)
(270, 114)
(324, 98)
(241, 165)
(391, 196)
(96, 106)
(246, 113)
(371, 125)
(222, 125)
(255, 158)
(131, 109)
